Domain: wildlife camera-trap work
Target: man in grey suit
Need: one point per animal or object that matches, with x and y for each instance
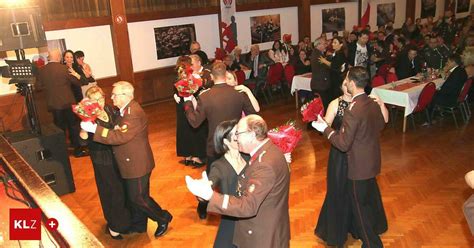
(259, 64)
(263, 207)
(359, 137)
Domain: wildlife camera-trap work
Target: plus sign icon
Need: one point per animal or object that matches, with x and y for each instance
(52, 224)
(25, 224)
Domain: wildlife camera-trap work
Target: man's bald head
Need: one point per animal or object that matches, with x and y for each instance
(54, 56)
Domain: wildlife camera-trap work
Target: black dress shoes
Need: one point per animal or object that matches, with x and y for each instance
(202, 210)
(163, 227)
(116, 237)
(80, 152)
(198, 164)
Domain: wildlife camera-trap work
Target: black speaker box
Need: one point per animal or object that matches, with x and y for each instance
(47, 155)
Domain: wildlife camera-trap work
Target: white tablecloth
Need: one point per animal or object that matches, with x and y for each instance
(301, 82)
(406, 98)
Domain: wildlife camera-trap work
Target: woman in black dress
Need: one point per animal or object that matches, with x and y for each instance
(107, 176)
(337, 64)
(224, 176)
(302, 65)
(190, 142)
(334, 221)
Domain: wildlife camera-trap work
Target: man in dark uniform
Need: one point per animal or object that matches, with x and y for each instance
(57, 80)
(220, 103)
(134, 158)
(359, 137)
(434, 55)
(200, 72)
(264, 186)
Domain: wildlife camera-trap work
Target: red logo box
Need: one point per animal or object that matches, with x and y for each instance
(25, 224)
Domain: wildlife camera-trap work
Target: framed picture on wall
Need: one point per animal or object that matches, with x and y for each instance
(174, 41)
(334, 20)
(265, 28)
(385, 13)
(428, 8)
(462, 6)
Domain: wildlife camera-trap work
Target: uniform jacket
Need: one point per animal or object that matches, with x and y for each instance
(220, 103)
(263, 206)
(359, 137)
(130, 142)
(56, 81)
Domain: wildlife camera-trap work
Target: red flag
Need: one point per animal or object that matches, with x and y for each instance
(365, 18)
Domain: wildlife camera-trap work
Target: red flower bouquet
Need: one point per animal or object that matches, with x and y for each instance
(286, 137)
(188, 85)
(311, 110)
(87, 110)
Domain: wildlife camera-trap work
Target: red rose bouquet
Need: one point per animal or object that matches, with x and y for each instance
(286, 137)
(312, 109)
(87, 109)
(188, 85)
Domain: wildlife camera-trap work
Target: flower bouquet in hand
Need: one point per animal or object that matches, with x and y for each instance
(87, 110)
(188, 85)
(312, 109)
(286, 137)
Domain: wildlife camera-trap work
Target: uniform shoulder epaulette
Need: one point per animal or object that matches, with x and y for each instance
(202, 91)
(352, 105)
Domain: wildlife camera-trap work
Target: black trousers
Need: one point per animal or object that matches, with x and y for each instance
(142, 204)
(202, 205)
(368, 211)
(111, 188)
(326, 96)
(65, 119)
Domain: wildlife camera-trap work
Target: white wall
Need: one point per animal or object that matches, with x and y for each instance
(142, 39)
(317, 17)
(95, 42)
(288, 22)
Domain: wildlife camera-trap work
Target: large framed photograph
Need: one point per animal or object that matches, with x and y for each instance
(174, 41)
(385, 13)
(265, 28)
(428, 8)
(462, 6)
(334, 20)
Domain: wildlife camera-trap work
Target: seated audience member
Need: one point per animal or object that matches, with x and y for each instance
(259, 64)
(238, 58)
(433, 55)
(278, 54)
(449, 92)
(196, 49)
(303, 64)
(229, 62)
(408, 64)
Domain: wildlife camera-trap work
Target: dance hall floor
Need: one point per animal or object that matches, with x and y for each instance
(422, 185)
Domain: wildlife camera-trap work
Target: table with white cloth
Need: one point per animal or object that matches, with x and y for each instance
(300, 82)
(404, 93)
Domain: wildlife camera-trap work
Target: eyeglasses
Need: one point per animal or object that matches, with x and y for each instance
(121, 94)
(239, 133)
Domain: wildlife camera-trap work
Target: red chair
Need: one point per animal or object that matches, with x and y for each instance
(461, 104)
(289, 74)
(425, 98)
(240, 76)
(274, 76)
(391, 77)
(462, 100)
(377, 81)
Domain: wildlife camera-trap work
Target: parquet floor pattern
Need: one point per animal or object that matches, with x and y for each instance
(422, 186)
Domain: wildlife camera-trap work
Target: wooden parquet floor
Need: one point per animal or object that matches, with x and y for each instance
(422, 186)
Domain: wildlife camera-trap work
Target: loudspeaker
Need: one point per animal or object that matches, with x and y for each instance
(47, 155)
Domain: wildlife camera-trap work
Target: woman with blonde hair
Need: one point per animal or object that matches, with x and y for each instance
(107, 176)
